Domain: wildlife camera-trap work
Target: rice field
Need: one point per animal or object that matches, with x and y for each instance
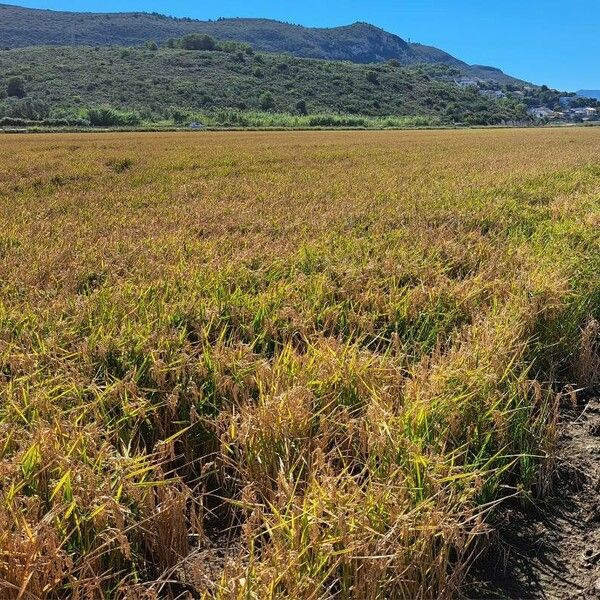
(301, 365)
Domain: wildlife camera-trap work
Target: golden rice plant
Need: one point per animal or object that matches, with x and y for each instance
(284, 365)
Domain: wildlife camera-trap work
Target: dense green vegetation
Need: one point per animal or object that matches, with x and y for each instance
(61, 85)
(139, 69)
(359, 42)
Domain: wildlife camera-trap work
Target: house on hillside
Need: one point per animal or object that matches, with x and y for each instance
(466, 83)
(542, 112)
(586, 112)
(494, 94)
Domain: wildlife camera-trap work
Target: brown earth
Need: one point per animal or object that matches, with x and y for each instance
(552, 551)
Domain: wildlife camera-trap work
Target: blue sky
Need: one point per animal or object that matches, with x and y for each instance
(556, 42)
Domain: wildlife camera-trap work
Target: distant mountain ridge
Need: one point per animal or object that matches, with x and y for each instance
(359, 42)
(595, 94)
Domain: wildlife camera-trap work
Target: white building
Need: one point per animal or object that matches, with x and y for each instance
(586, 112)
(497, 94)
(541, 112)
(466, 83)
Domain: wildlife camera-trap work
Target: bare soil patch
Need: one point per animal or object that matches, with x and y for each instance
(553, 551)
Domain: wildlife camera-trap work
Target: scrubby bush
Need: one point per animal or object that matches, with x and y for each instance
(231, 118)
(196, 41)
(372, 77)
(179, 116)
(266, 101)
(231, 47)
(109, 117)
(13, 122)
(31, 109)
(16, 88)
(337, 121)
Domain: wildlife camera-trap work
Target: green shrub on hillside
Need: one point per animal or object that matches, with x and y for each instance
(16, 87)
(266, 101)
(196, 41)
(301, 107)
(109, 117)
(372, 77)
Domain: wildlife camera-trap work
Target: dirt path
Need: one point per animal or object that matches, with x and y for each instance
(554, 552)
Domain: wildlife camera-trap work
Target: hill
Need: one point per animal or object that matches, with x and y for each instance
(359, 43)
(165, 83)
